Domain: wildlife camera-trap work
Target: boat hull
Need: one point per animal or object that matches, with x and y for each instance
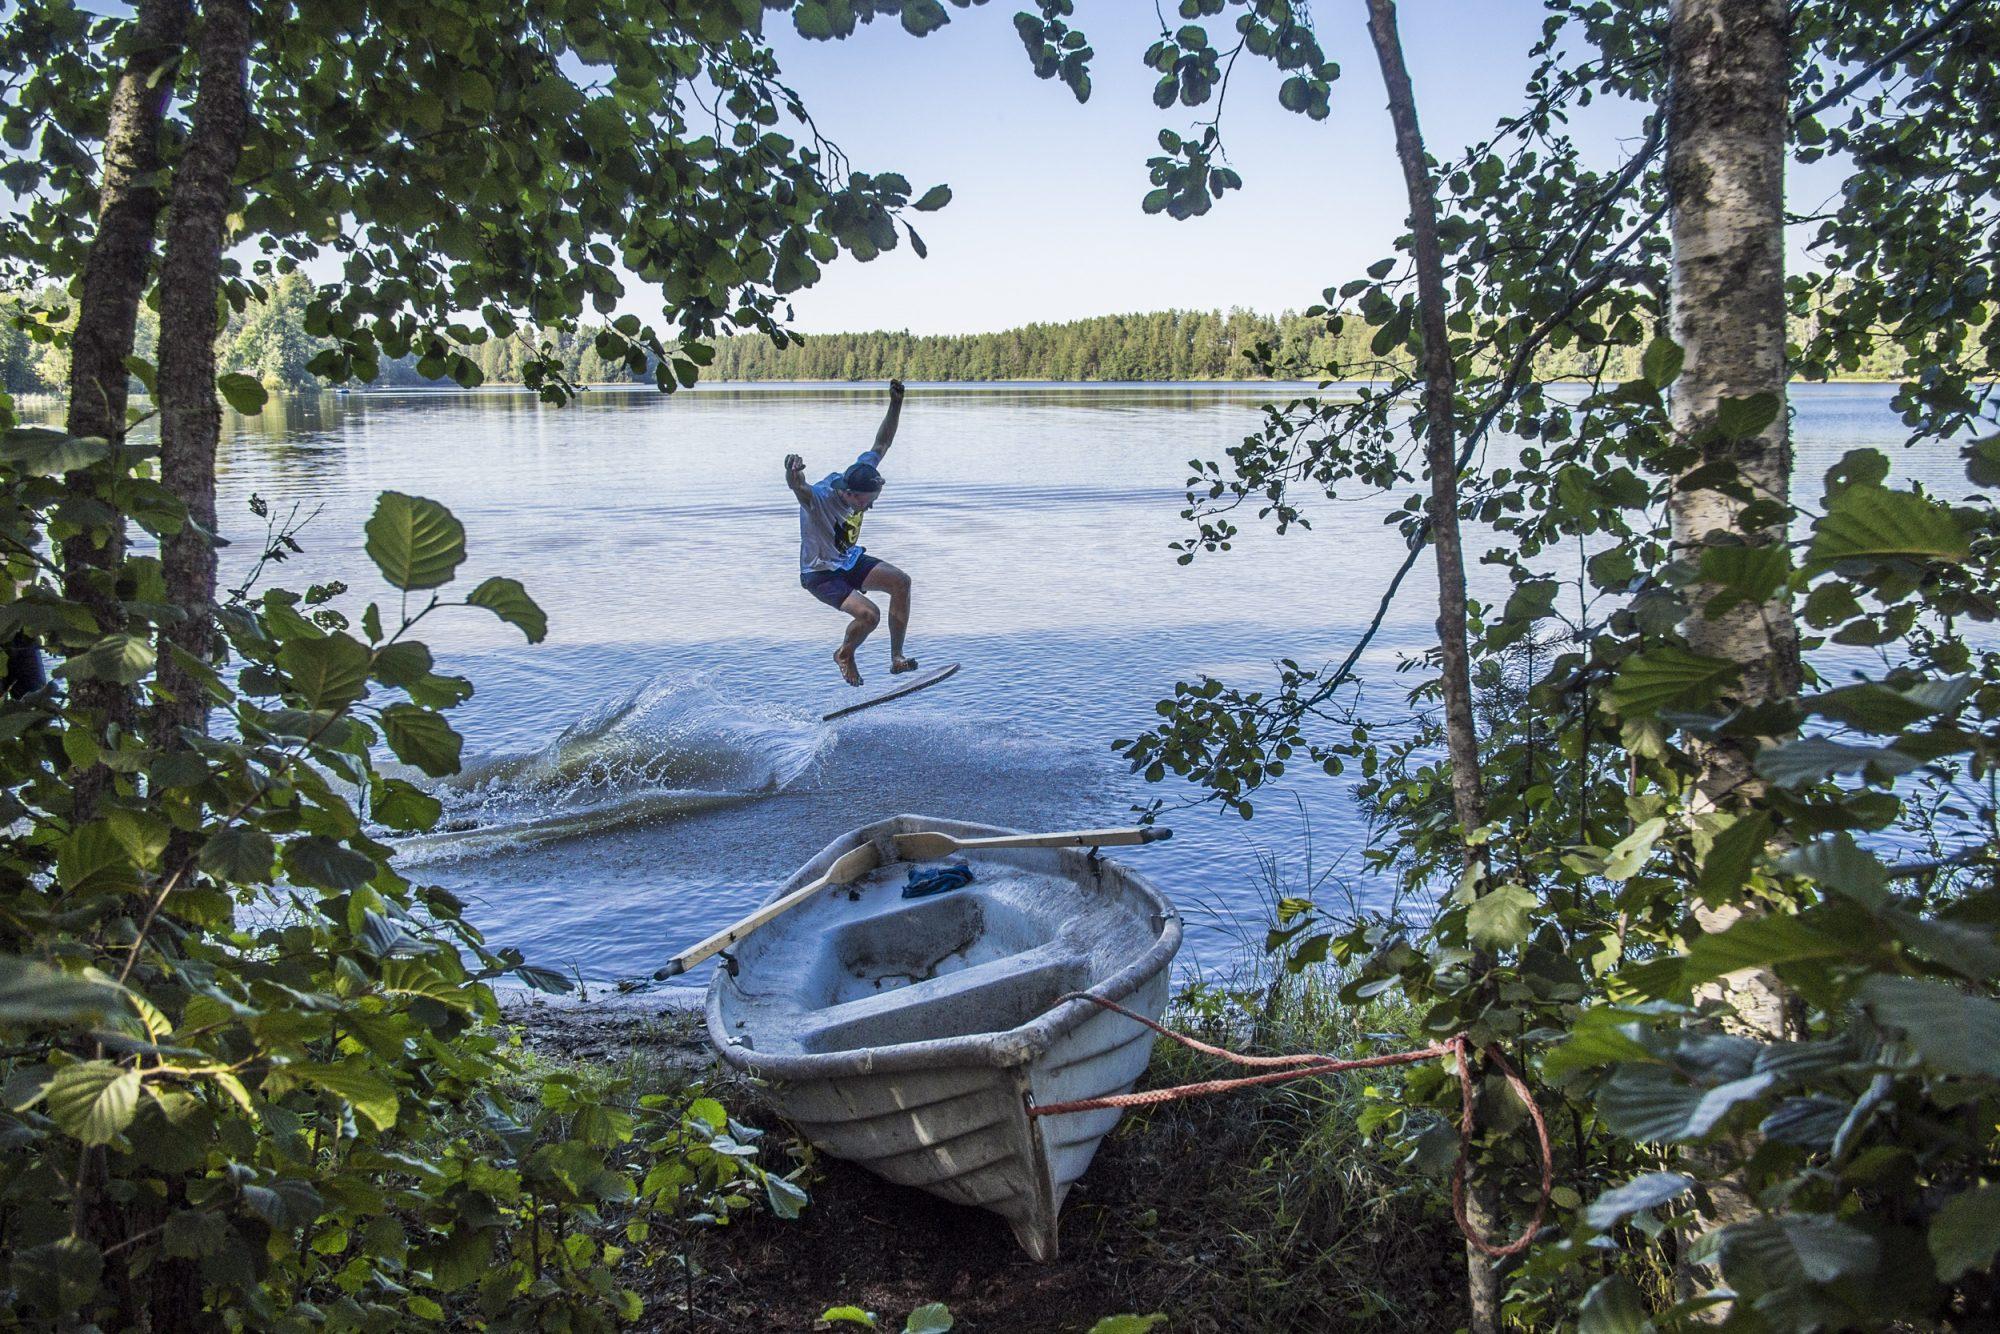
(950, 1115)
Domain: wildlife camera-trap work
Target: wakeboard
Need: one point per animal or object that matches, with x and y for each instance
(899, 686)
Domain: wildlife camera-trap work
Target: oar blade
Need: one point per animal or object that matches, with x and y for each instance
(925, 845)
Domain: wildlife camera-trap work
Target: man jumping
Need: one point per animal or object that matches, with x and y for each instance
(833, 567)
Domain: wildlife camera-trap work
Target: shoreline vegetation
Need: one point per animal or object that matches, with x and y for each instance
(269, 341)
(1271, 1210)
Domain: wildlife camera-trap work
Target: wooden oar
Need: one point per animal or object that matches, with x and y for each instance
(930, 845)
(846, 868)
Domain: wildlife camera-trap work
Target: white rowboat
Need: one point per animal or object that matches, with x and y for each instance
(912, 1035)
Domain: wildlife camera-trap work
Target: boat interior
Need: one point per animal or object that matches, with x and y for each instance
(864, 967)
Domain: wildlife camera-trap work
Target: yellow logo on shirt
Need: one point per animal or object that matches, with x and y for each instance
(850, 529)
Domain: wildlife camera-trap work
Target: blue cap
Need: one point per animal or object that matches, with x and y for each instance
(861, 478)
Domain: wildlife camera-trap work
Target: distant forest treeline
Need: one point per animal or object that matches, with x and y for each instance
(1162, 345)
(269, 341)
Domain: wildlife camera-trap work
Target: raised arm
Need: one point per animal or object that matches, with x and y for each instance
(795, 478)
(885, 435)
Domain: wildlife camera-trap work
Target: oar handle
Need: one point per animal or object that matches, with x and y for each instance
(729, 935)
(1074, 838)
(846, 868)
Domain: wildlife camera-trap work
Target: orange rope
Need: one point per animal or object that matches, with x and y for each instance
(1308, 1064)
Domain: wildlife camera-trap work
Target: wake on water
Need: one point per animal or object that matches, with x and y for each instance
(675, 745)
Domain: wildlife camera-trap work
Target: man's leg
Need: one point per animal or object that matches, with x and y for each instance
(886, 578)
(866, 618)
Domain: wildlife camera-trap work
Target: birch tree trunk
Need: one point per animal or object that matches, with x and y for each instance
(1468, 793)
(190, 416)
(114, 280)
(1728, 69)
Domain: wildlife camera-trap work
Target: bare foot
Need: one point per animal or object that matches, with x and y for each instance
(844, 659)
(897, 666)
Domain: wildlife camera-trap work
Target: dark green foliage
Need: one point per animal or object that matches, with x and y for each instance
(497, 161)
(231, 1019)
(1865, 1135)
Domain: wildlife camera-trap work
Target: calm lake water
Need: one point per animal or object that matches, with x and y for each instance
(646, 775)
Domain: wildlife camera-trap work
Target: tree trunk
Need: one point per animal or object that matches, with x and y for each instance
(190, 417)
(1726, 117)
(1468, 794)
(114, 280)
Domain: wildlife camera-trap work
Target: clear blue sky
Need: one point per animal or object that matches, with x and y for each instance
(1045, 222)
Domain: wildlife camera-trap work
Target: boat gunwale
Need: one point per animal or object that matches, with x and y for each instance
(1007, 1049)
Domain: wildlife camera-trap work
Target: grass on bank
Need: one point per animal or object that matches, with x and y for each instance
(1261, 1210)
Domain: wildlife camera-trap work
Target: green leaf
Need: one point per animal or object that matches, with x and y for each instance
(1662, 362)
(1971, 951)
(1953, 1031)
(1732, 854)
(1842, 865)
(1601, 1036)
(934, 199)
(1982, 461)
(852, 1315)
(787, 1199)
(243, 392)
(422, 738)
(923, 17)
(1760, 941)
(60, 1276)
(125, 659)
(322, 863)
(1499, 918)
(1810, 1122)
(326, 673)
(42, 452)
(1613, 1306)
(1128, 1324)
(1872, 523)
(415, 542)
(417, 977)
(402, 664)
(1640, 1193)
(544, 979)
(93, 1100)
(440, 692)
(31, 992)
(1634, 850)
(1874, 707)
(382, 937)
(287, 1204)
(509, 601)
(1740, 418)
(371, 1096)
(932, 1319)
(1668, 677)
(1771, 1254)
(1813, 759)
(240, 856)
(1651, 1103)
(405, 806)
(1965, 1235)
(1744, 574)
(94, 860)
(461, 1259)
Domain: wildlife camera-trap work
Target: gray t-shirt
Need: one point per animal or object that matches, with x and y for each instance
(829, 527)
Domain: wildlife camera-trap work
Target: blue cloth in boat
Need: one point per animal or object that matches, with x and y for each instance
(936, 879)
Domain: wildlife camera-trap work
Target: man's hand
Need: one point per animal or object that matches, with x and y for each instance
(795, 478)
(896, 389)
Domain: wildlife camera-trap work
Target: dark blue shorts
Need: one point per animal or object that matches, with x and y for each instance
(833, 586)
